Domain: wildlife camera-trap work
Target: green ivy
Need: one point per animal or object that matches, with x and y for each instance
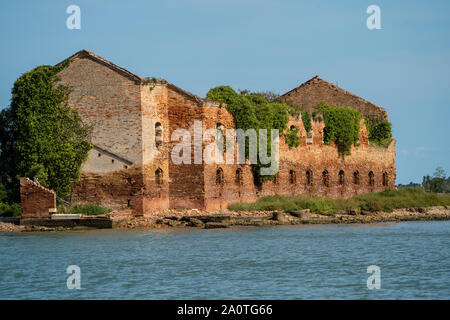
(45, 137)
(306, 119)
(253, 111)
(342, 126)
(292, 138)
(380, 131)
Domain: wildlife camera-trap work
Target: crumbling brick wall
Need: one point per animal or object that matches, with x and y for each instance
(123, 109)
(309, 94)
(36, 201)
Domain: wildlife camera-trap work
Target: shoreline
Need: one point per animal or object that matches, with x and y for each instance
(202, 220)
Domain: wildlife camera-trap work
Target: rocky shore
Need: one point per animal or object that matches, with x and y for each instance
(199, 219)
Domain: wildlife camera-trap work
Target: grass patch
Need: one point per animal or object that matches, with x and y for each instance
(386, 201)
(87, 209)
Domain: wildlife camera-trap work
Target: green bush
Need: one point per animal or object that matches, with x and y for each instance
(342, 126)
(292, 138)
(380, 131)
(12, 210)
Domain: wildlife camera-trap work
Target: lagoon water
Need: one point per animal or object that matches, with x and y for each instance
(301, 262)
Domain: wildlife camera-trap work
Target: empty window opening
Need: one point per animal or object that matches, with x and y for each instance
(238, 178)
(325, 178)
(159, 177)
(292, 178)
(371, 179)
(341, 178)
(112, 160)
(356, 177)
(385, 179)
(219, 177)
(309, 178)
(158, 134)
(128, 203)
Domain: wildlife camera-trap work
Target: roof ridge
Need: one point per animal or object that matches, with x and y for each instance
(316, 78)
(90, 54)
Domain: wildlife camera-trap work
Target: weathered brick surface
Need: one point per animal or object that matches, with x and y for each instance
(129, 168)
(309, 94)
(35, 200)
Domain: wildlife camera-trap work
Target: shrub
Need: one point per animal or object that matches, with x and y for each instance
(341, 126)
(380, 131)
(292, 138)
(12, 210)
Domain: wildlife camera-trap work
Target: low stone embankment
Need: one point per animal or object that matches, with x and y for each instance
(199, 219)
(229, 219)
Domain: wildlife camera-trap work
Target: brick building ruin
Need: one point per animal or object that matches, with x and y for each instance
(133, 119)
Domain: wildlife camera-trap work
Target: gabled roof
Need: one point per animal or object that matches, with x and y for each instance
(317, 80)
(109, 64)
(132, 76)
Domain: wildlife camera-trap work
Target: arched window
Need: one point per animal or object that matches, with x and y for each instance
(356, 177)
(341, 177)
(325, 178)
(292, 178)
(158, 134)
(309, 178)
(238, 178)
(219, 177)
(371, 179)
(158, 177)
(385, 179)
(292, 127)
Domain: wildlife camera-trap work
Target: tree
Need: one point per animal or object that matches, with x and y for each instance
(437, 183)
(41, 135)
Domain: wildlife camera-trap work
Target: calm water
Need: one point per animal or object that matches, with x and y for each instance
(318, 262)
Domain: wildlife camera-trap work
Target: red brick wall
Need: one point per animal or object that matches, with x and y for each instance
(186, 181)
(123, 112)
(35, 200)
(316, 90)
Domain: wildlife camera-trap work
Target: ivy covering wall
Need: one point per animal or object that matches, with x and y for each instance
(380, 131)
(253, 111)
(342, 126)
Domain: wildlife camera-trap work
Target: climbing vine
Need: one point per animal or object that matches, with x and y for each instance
(306, 119)
(342, 126)
(47, 138)
(380, 131)
(253, 111)
(292, 138)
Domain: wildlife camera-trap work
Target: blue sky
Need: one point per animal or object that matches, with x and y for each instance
(261, 45)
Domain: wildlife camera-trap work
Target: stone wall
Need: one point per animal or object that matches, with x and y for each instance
(36, 201)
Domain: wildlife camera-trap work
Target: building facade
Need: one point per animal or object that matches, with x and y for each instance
(134, 120)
